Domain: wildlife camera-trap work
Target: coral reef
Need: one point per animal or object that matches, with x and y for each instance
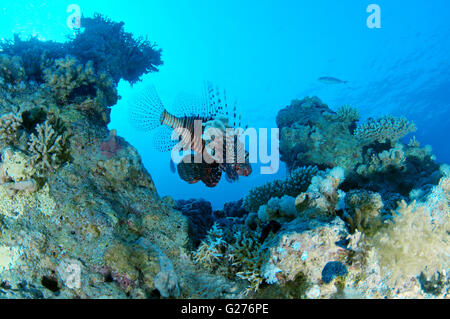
(411, 244)
(102, 41)
(312, 134)
(200, 216)
(113, 50)
(294, 184)
(359, 215)
(385, 129)
(66, 75)
(235, 253)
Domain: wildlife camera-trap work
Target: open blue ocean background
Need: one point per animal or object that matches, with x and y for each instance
(266, 53)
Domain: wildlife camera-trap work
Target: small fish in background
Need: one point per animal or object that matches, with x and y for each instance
(331, 80)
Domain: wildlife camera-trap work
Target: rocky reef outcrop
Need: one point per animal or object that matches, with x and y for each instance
(79, 214)
(360, 215)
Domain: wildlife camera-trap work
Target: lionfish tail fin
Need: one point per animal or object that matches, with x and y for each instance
(145, 109)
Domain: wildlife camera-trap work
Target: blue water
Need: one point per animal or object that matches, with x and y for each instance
(266, 53)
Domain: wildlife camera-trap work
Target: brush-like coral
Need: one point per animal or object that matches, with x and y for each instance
(36, 55)
(297, 182)
(411, 244)
(212, 249)
(46, 148)
(385, 129)
(347, 114)
(102, 41)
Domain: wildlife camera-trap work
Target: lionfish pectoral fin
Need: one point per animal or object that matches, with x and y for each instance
(145, 109)
(161, 139)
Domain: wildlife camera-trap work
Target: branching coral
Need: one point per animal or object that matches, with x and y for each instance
(104, 42)
(387, 128)
(235, 253)
(36, 55)
(297, 182)
(212, 249)
(46, 148)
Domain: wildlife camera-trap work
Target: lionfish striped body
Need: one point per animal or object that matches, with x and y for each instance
(148, 113)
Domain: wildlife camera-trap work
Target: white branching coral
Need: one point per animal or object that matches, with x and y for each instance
(387, 128)
(46, 147)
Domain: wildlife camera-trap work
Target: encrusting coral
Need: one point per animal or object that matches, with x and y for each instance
(67, 75)
(322, 197)
(16, 173)
(9, 126)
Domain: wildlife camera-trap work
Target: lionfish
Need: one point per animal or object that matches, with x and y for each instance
(191, 118)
